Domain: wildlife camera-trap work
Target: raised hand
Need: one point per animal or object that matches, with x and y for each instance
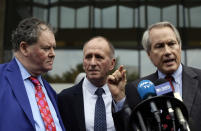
(116, 83)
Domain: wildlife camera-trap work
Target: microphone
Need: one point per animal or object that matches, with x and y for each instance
(163, 87)
(146, 90)
(180, 116)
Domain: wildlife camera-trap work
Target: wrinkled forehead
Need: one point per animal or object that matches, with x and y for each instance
(95, 45)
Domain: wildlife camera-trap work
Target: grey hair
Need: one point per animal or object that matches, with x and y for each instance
(146, 43)
(28, 30)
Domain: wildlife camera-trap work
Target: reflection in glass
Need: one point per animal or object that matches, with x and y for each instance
(125, 17)
(40, 13)
(181, 16)
(41, 1)
(192, 58)
(83, 17)
(67, 17)
(109, 17)
(153, 14)
(195, 16)
(170, 14)
(53, 17)
(142, 16)
(97, 18)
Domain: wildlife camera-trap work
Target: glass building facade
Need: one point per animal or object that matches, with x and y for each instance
(121, 21)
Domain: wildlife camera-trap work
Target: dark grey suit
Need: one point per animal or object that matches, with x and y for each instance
(191, 94)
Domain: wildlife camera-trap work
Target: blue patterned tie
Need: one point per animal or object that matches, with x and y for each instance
(100, 115)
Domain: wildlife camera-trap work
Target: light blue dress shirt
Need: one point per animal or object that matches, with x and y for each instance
(177, 83)
(30, 89)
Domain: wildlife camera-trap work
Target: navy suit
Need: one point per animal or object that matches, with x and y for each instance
(15, 109)
(71, 105)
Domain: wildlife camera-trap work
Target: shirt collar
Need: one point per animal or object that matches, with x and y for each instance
(25, 74)
(176, 75)
(92, 88)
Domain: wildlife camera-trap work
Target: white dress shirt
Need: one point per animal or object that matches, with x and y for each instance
(90, 98)
(30, 89)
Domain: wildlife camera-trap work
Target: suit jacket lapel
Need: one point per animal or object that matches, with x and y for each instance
(15, 80)
(79, 107)
(189, 86)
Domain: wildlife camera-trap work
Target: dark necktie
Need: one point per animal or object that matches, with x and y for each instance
(100, 114)
(170, 79)
(43, 105)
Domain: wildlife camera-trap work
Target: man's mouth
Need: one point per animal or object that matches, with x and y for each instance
(169, 61)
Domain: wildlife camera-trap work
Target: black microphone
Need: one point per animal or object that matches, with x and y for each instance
(180, 116)
(163, 87)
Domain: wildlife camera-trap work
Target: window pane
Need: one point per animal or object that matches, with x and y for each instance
(186, 17)
(136, 18)
(125, 17)
(97, 19)
(109, 17)
(195, 15)
(53, 17)
(169, 14)
(146, 65)
(192, 58)
(153, 15)
(181, 17)
(41, 1)
(83, 17)
(40, 13)
(67, 17)
(142, 16)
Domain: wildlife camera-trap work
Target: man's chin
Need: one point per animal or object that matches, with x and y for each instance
(169, 70)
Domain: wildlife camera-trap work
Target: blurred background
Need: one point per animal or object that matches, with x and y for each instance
(121, 21)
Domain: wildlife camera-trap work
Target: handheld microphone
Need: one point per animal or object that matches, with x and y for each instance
(146, 90)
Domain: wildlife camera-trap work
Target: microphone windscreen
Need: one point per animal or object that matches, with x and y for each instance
(163, 87)
(146, 88)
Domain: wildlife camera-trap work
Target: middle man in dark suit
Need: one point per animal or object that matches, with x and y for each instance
(88, 105)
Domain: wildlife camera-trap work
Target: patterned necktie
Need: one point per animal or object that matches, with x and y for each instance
(170, 79)
(43, 105)
(100, 114)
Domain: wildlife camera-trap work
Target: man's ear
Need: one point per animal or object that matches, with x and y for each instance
(148, 53)
(24, 48)
(113, 63)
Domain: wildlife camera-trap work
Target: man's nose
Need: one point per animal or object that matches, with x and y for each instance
(167, 50)
(93, 61)
(52, 52)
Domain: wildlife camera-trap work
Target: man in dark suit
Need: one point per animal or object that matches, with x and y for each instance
(27, 101)
(78, 105)
(162, 43)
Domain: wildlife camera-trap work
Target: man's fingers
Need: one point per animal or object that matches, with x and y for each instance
(117, 75)
(121, 68)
